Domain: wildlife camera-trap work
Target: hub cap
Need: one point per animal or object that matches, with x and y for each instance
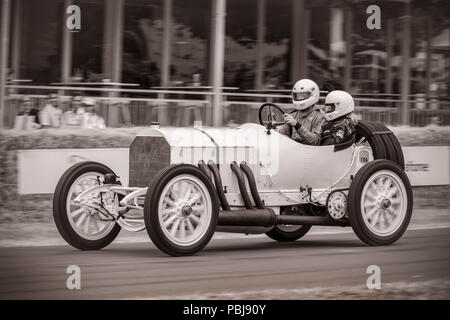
(384, 203)
(89, 223)
(185, 210)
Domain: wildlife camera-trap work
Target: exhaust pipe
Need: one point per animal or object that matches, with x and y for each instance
(241, 184)
(243, 229)
(202, 166)
(211, 168)
(310, 220)
(246, 218)
(252, 183)
(267, 218)
(218, 182)
(255, 217)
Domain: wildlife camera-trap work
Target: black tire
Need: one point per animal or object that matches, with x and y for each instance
(357, 221)
(365, 129)
(391, 154)
(398, 149)
(151, 214)
(384, 146)
(60, 211)
(393, 145)
(285, 236)
(291, 233)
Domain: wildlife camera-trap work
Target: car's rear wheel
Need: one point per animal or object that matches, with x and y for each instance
(82, 227)
(181, 210)
(382, 141)
(380, 202)
(365, 129)
(394, 150)
(286, 233)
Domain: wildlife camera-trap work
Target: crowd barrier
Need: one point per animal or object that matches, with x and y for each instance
(181, 107)
(39, 170)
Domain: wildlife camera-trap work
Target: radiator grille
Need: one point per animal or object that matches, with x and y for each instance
(148, 155)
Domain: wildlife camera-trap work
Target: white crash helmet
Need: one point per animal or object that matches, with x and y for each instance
(305, 94)
(338, 103)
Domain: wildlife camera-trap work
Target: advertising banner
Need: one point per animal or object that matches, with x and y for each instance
(40, 170)
(427, 166)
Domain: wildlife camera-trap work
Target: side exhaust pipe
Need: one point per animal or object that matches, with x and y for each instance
(252, 183)
(218, 182)
(267, 218)
(202, 166)
(241, 184)
(253, 217)
(243, 229)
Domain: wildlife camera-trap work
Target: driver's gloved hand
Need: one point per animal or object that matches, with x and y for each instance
(289, 119)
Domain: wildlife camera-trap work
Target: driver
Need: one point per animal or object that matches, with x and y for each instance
(308, 119)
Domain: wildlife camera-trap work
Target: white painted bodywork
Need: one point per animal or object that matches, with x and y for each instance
(282, 166)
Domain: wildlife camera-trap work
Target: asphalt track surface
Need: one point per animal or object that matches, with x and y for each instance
(140, 270)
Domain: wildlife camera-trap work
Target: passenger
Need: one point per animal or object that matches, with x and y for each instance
(308, 119)
(340, 126)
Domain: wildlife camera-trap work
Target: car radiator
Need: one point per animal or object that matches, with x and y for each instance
(148, 155)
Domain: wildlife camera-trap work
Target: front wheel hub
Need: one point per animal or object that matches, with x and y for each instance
(385, 203)
(186, 210)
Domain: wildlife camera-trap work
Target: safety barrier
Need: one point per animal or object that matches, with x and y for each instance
(181, 107)
(39, 170)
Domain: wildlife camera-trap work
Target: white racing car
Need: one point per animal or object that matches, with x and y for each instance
(187, 183)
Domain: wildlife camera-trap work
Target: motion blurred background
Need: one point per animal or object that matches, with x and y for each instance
(136, 62)
(176, 61)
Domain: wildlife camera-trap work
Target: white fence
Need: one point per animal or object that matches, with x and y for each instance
(40, 170)
(184, 105)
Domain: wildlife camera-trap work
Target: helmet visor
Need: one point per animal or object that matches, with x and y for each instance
(298, 96)
(329, 107)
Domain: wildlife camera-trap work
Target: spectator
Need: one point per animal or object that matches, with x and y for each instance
(28, 117)
(50, 116)
(29, 110)
(72, 117)
(90, 119)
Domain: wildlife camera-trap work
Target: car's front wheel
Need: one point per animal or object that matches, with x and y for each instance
(83, 227)
(181, 210)
(380, 202)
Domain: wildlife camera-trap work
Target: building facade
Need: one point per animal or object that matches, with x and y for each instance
(244, 44)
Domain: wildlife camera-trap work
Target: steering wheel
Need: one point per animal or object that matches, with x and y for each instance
(271, 116)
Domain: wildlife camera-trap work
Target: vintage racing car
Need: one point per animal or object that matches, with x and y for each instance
(187, 183)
